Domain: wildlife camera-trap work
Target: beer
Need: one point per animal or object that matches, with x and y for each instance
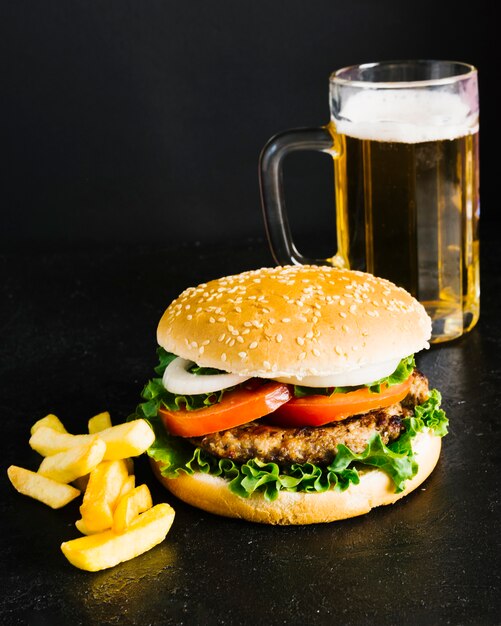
(404, 139)
(407, 204)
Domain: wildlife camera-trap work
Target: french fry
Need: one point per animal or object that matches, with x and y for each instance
(128, 485)
(41, 488)
(102, 493)
(49, 421)
(106, 549)
(80, 525)
(99, 422)
(130, 506)
(129, 439)
(47, 441)
(67, 466)
(122, 441)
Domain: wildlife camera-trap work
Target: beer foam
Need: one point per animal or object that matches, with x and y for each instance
(405, 115)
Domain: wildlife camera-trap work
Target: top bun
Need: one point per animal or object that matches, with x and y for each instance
(297, 321)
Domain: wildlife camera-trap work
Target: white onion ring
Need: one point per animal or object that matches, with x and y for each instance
(177, 379)
(361, 376)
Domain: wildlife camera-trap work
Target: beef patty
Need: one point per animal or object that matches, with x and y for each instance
(313, 444)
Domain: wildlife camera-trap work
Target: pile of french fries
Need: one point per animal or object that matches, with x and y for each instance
(118, 521)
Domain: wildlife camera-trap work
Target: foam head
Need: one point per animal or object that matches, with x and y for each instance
(404, 115)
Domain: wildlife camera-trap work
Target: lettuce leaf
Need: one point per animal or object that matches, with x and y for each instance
(396, 459)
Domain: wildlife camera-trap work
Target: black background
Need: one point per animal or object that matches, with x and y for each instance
(143, 121)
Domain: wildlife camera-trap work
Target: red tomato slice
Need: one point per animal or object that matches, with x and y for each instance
(319, 410)
(242, 405)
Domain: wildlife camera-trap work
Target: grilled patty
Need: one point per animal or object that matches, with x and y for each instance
(313, 444)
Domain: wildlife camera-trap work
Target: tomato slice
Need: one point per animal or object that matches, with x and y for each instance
(319, 410)
(245, 404)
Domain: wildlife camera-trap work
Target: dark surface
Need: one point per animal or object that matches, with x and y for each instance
(78, 337)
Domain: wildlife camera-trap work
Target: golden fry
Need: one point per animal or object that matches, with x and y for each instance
(99, 422)
(41, 488)
(49, 421)
(47, 441)
(130, 506)
(129, 439)
(67, 466)
(103, 550)
(102, 494)
(128, 485)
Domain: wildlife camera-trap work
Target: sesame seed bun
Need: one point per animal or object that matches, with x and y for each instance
(211, 493)
(294, 321)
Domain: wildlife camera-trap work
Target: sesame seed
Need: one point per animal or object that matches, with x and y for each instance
(221, 337)
(338, 350)
(300, 341)
(278, 338)
(267, 364)
(253, 345)
(316, 351)
(223, 356)
(342, 314)
(189, 317)
(240, 339)
(212, 320)
(201, 350)
(302, 356)
(242, 355)
(285, 320)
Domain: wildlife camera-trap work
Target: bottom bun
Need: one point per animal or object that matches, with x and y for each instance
(211, 493)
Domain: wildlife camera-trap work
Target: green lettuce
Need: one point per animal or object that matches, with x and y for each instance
(396, 459)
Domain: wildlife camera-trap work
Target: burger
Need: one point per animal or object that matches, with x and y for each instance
(290, 395)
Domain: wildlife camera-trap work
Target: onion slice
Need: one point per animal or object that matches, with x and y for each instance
(177, 379)
(351, 378)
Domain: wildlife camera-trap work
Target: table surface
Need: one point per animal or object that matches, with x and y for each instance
(78, 337)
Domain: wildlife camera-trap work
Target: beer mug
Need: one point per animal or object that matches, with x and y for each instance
(404, 140)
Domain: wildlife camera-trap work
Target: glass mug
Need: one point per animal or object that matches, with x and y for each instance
(404, 139)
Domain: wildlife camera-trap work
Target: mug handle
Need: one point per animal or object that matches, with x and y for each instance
(271, 186)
